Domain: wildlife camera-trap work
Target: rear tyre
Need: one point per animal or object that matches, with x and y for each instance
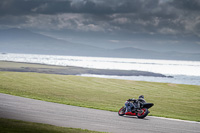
(122, 111)
(142, 113)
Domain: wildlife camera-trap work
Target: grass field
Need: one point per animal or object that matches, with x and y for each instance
(16, 126)
(171, 100)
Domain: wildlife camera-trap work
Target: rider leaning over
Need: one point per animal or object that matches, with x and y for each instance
(133, 103)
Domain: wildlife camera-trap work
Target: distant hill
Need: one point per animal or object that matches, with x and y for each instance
(148, 54)
(24, 41)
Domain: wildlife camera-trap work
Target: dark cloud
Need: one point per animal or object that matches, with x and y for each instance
(128, 16)
(21, 7)
(24, 7)
(193, 5)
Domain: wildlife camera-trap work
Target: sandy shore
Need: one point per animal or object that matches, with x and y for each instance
(69, 70)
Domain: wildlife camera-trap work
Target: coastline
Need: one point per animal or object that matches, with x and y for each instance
(70, 70)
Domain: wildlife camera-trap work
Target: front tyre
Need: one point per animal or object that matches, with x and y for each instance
(142, 113)
(122, 111)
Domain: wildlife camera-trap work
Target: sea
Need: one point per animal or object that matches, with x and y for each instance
(183, 72)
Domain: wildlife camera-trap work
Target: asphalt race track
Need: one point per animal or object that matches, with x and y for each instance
(25, 109)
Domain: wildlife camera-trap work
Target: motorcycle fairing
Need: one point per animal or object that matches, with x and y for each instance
(147, 105)
(130, 113)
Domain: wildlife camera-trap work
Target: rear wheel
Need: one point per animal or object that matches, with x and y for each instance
(142, 113)
(121, 112)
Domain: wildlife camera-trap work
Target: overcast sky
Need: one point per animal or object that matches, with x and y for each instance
(172, 20)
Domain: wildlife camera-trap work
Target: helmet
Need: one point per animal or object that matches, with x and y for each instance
(141, 96)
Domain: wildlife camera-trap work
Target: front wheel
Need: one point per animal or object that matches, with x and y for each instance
(142, 113)
(122, 111)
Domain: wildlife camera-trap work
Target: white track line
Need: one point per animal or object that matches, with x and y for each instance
(174, 119)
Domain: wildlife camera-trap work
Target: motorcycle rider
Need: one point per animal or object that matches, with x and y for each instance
(133, 103)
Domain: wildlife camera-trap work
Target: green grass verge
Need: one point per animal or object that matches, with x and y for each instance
(171, 100)
(16, 126)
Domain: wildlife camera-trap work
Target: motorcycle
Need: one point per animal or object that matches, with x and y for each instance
(141, 111)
